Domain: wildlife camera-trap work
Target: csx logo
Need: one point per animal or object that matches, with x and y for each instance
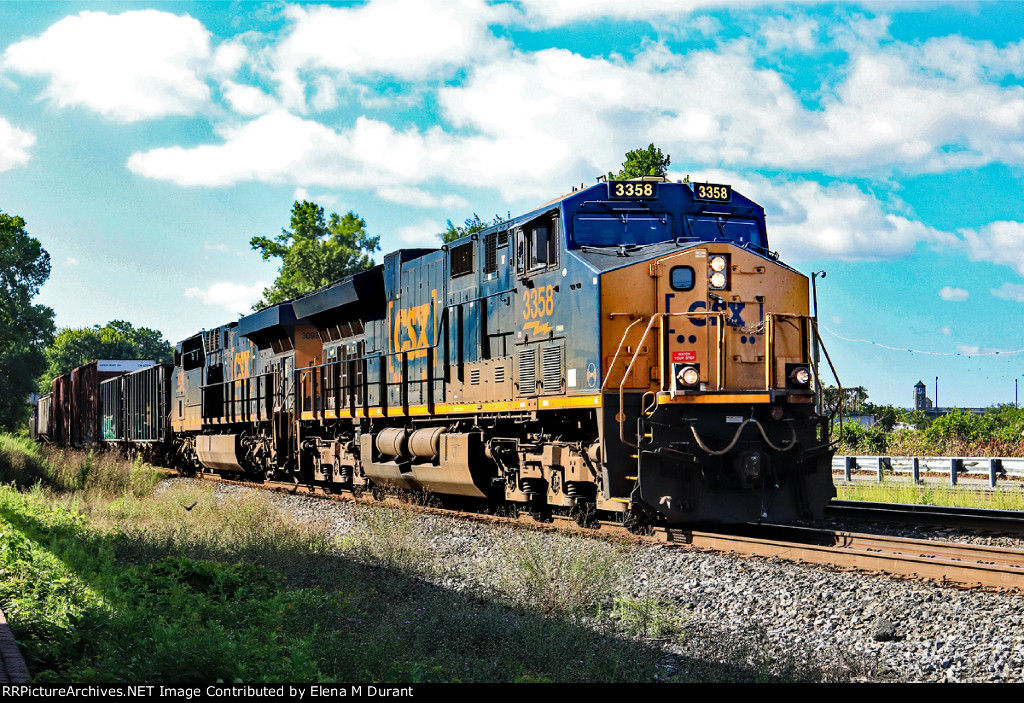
(734, 319)
(411, 328)
(242, 361)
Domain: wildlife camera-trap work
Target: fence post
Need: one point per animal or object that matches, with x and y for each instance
(884, 463)
(955, 467)
(849, 464)
(995, 466)
(917, 471)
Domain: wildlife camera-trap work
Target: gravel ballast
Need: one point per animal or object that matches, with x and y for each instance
(849, 626)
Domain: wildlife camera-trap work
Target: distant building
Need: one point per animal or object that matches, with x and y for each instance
(921, 400)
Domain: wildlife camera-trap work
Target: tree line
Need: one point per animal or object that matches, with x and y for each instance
(998, 431)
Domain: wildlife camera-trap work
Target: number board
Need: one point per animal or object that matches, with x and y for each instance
(714, 192)
(632, 189)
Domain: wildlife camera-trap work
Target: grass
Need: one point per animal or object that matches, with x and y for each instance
(110, 576)
(930, 494)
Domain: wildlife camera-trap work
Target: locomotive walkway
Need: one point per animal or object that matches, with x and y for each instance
(12, 665)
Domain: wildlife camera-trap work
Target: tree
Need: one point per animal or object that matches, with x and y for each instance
(315, 252)
(643, 162)
(473, 225)
(116, 340)
(24, 328)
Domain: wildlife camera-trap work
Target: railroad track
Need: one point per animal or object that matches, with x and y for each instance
(950, 563)
(1008, 521)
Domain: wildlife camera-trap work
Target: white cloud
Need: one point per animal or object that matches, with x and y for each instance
(998, 242)
(234, 297)
(321, 199)
(968, 349)
(216, 247)
(556, 13)
(564, 117)
(280, 147)
(946, 331)
(409, 39)
(14, 146)
(133, 66)
(424, 234)
(407, 195)
(71, 261)
(789, 33)
(1010, 291)
(808, 220)
(955, 294)
(891, 110)
(248, 100)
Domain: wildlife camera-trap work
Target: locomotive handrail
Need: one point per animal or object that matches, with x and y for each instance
(441, 323)
(839, 384)
(615, 358)
(770, 322)
(770, 378)
(263, 380)
(660, 316)
(642, 318)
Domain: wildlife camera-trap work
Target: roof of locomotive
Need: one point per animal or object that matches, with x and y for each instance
(671, 198)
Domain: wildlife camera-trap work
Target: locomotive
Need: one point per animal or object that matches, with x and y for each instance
(630, 348)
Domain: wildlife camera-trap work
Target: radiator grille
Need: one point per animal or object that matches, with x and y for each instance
(527, 372)
(490, 253)
(552, 369)
(212, 340)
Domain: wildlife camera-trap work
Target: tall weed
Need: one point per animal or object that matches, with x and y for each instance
(569, 575)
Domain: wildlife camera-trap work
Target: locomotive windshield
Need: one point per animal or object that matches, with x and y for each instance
(611, 230)
(712, 227)
(600, 230)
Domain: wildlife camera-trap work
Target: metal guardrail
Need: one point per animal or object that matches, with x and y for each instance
(992, 468)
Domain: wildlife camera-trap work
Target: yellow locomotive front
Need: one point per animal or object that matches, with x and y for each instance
(708, 388)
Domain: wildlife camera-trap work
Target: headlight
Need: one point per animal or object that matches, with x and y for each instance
(717, 263)
(800, 376)
(688, 376)
(718, 280)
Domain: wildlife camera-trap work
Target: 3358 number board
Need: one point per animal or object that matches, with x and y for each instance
(632, 189)
(715, 192)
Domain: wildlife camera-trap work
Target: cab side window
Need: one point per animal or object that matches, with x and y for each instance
(537, 245)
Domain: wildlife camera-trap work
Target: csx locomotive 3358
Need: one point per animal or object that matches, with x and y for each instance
(633, 347)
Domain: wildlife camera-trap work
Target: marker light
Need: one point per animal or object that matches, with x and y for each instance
(718, 280)
(717, 263)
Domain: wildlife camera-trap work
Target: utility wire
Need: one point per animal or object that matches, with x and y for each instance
(920, 351)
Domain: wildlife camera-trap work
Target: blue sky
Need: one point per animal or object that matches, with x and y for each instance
(147, 143)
